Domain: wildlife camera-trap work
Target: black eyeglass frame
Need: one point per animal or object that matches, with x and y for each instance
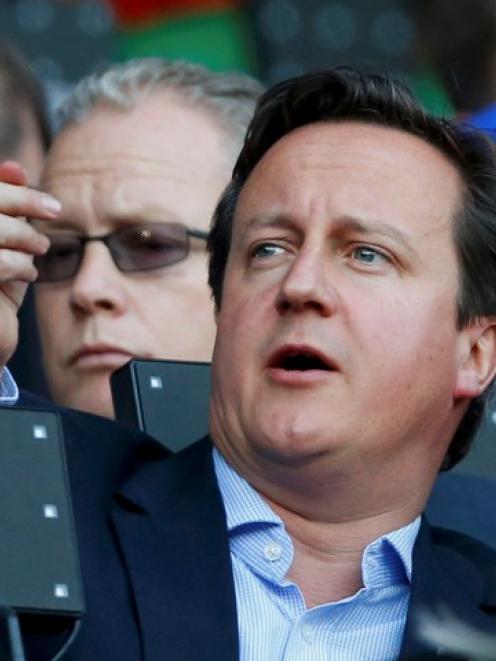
(106, 239)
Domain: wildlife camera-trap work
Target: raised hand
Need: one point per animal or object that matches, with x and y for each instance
(19, 242)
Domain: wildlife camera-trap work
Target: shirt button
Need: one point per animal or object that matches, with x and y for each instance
(307, 633)
(272, 551)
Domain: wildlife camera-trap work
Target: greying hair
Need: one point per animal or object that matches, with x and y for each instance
(230, 97)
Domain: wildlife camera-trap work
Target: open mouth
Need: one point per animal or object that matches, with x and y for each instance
(300, 360)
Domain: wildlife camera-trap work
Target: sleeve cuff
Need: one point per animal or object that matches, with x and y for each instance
(9, 392)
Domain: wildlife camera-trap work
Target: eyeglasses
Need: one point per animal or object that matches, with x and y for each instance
(140, 247)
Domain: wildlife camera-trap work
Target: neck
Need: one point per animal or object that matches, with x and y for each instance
(328, 493)
(327, 564)
(332, 515)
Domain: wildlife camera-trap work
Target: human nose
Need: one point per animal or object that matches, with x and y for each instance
(97, 286)
(307, 286)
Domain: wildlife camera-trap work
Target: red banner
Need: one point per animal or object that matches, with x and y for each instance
(142, 11)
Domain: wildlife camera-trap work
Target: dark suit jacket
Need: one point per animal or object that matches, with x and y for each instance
(466, 503)
(156, 562)
(100, 455)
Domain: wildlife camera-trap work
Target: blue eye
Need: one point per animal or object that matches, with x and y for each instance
(367, 255)
(264, 250)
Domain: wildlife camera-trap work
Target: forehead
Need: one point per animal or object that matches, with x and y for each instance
(159, 123)
(353, 169)
(164, 154)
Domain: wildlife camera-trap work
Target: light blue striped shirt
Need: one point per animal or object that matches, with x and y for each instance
(274, 623)
(9, 393)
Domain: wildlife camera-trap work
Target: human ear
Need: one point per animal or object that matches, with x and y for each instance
(478, 365)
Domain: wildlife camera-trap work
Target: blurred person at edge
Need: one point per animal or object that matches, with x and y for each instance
(24, 138)
(143, 153)
(25, 132)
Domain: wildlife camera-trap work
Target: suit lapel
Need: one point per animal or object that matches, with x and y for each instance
(171, 528)
(443, 578)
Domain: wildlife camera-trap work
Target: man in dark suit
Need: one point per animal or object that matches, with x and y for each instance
(351, 269)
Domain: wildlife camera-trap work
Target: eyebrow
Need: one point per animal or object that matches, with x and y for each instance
(347, 223)
(271, 221)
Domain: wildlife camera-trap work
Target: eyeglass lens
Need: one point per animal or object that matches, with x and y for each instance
(133, 248)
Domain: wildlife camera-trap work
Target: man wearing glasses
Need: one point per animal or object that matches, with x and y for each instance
(144, 151)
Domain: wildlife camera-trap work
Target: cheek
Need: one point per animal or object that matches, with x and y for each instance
(248, 312)
(412, 319)
(242, 330)
(231, 336)
(175, 317)
(180, 300)
(51, 314)
(410, 345)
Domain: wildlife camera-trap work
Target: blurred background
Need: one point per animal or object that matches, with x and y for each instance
(442, 47)
(446, 50)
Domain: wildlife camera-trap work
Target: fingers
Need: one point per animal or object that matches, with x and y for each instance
(16, 234)
(18, 200)
(11, 296)
(16, 267)
(12, 172)
(20, 241)
(21, 201)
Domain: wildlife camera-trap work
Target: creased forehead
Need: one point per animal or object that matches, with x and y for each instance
(372, 154)
(165, 129)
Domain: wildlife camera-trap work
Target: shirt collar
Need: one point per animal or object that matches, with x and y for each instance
(243, 505)
(387, 560)
(9, 393)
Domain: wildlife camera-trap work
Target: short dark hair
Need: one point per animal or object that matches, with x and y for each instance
(19, 90)
(345, 93)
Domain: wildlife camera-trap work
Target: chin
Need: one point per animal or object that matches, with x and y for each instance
(92, 396)
(293, 446)
(102, 408)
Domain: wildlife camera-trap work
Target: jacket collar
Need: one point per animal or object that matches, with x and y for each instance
(444, 578)
(184, 594)
(179, 499)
